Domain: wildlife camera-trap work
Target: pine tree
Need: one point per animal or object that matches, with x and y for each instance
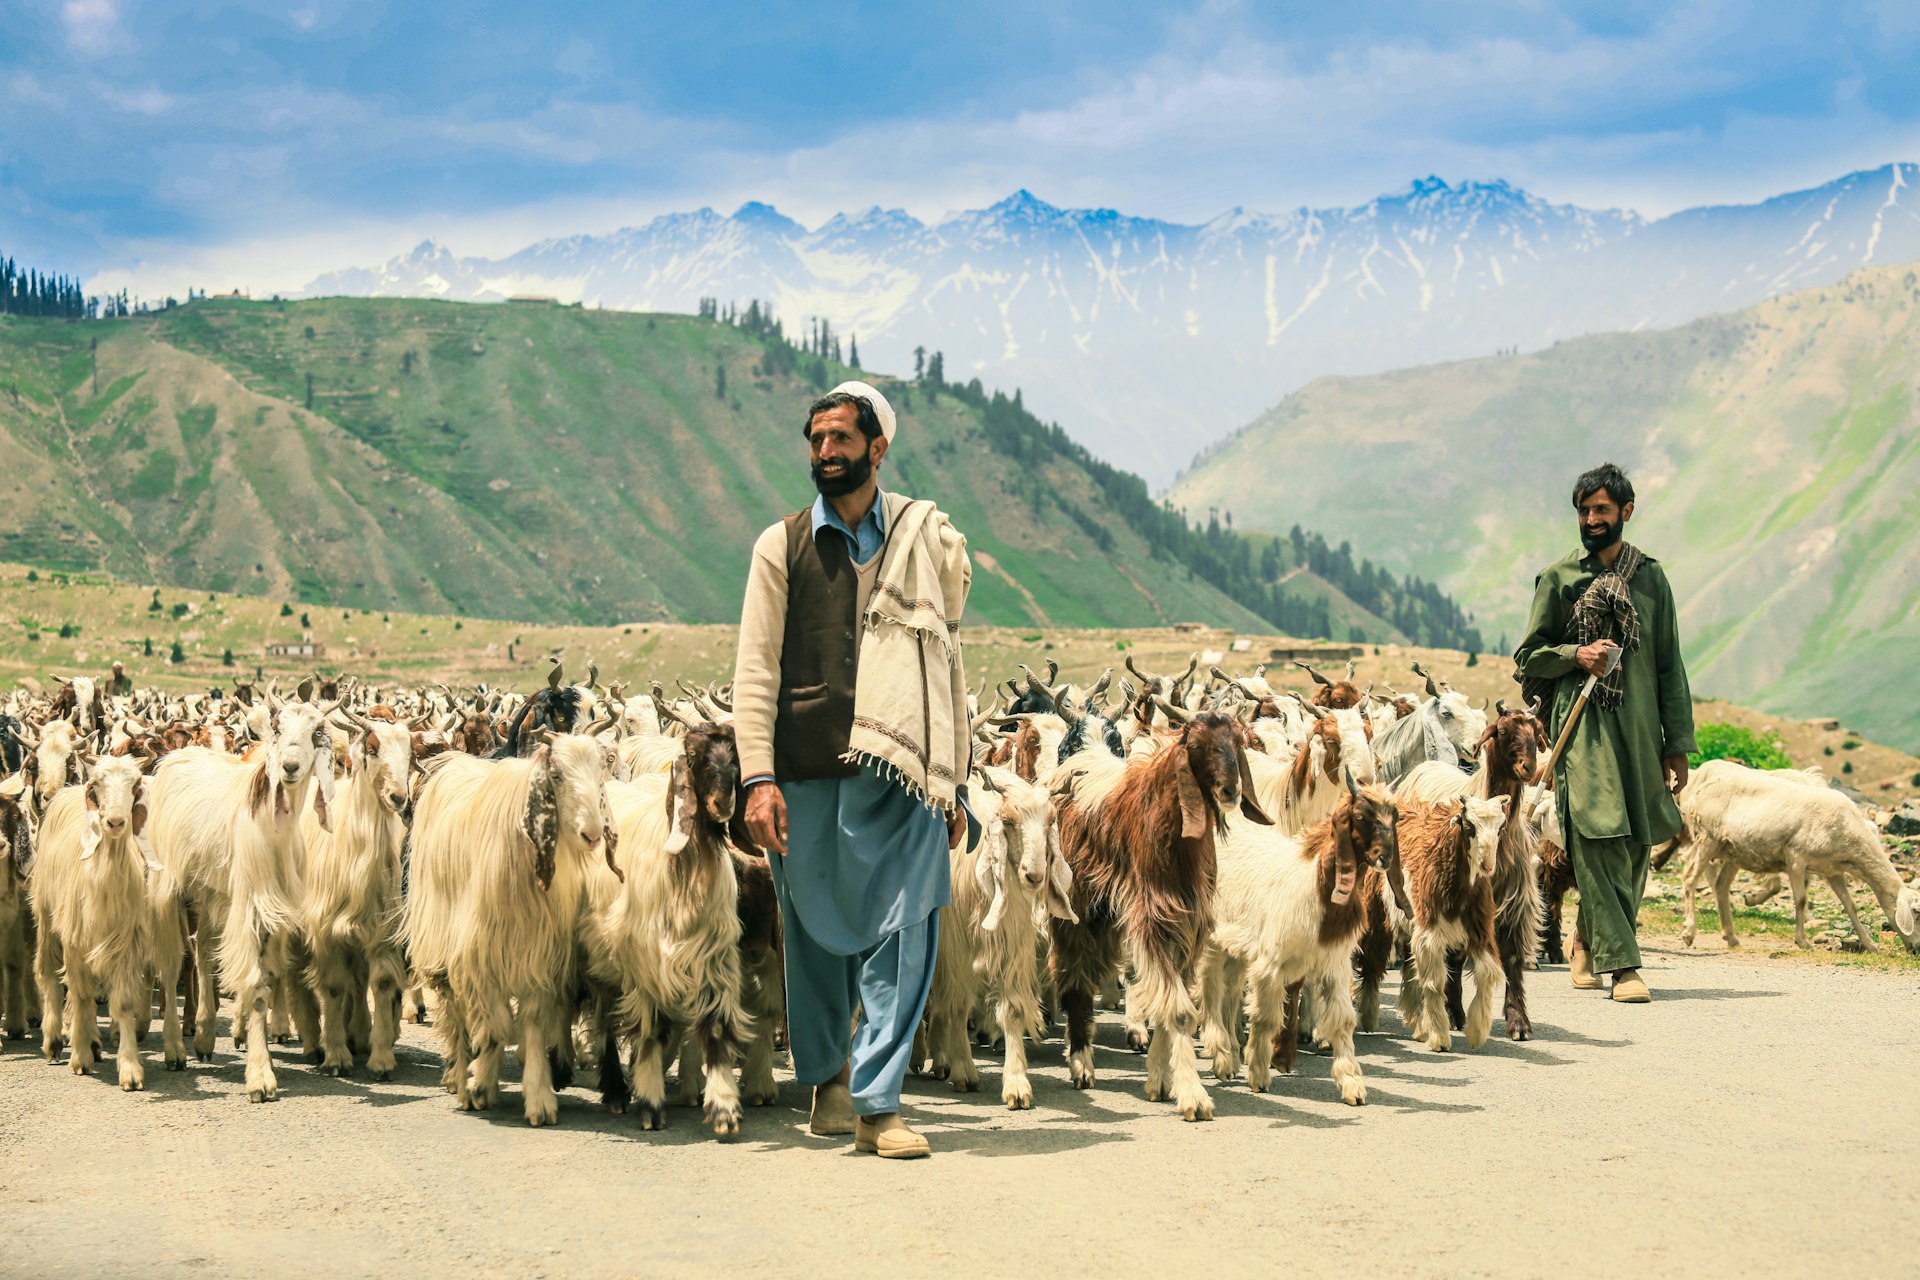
(853, 352)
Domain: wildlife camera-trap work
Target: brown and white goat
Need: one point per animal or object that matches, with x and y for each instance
(1510, 752)
(1337, 745)
(19, 998)
(1288, 913)
(1448, 853)
(1138, 836)
(662, 932)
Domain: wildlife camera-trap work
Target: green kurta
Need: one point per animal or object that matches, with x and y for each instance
(1610, 774)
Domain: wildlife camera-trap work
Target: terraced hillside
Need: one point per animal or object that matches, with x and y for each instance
(526, 461)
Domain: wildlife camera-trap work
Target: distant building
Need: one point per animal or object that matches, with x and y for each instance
(1316, 653)
(547, 298)
(301, 649)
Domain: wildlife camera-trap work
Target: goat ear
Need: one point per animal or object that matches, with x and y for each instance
(1193, 804)
(1249, 806)
(323, 788)
(610, 832)
(680, 808)
(989, 871)
(1059, 881)
(90, 837)
(541, 821)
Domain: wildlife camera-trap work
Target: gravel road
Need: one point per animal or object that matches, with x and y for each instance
(1760, 1117)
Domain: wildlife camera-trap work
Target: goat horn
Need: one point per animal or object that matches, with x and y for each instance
(1317, 677)
(1174, 715)
(1500, 707)
(1100, 685)
(1433, 690)
(1064, 705)
(1033, 681)
(593, 673)
(553, 676)
(1537, 708)
(1140, 675)
(1353, 787)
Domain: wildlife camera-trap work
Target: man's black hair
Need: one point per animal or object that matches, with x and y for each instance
(1605, 476)
(865, 418)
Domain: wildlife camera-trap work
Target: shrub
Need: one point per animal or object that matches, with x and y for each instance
(33, 635)
(1731, 742)
(33, 575)
(304, 622)
(146, 647)
(68, 631)
(1473, 659)
(459, 625)
(178, 655)
(179, 610)
(226, 658)
(1850, 744)
(1827, 749)
(286, 610)
(1847, 767)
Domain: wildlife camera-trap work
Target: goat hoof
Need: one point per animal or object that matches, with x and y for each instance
(724, 1121)
(1201, 1109)
(177, 1064)
(339, 1070)
(383, 1076)
(653, 1115)
(941, 1071)
(140, 1036)
(1137, 1040)
(1520, 1030)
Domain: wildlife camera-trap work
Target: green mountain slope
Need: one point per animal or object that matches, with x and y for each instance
(522, 461)
(1776, 451)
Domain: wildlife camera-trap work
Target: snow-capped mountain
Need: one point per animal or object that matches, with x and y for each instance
(1151, 339)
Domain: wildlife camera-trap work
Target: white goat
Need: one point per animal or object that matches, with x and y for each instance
(1338, 744)
(226, 834)
(1003, 894)
(350, 903)
(1735, 818)
(90, 908)
(501, 850)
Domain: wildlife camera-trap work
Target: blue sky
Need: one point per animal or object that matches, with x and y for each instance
(218, 144)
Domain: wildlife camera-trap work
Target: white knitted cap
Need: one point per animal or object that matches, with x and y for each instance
(881, 409)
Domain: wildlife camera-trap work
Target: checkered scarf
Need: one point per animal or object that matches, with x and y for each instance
(1605, 611)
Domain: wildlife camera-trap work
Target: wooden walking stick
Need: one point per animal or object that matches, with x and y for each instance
(1614, 652)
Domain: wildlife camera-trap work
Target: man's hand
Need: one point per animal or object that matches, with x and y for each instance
(1592, 658)
(767, 817)
(956, 826)
(1676, 769)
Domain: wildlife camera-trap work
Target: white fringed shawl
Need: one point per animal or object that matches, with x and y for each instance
(909, 696)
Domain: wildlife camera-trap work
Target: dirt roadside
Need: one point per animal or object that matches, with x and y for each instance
(1758, 1118)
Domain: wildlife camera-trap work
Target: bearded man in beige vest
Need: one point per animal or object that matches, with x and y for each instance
(850, 712)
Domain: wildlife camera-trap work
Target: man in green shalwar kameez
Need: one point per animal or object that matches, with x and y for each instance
(1627, 757)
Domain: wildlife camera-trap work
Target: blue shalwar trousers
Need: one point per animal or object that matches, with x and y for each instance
(865, 874)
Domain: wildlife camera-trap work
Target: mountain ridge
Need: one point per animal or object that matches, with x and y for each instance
(1117, 323)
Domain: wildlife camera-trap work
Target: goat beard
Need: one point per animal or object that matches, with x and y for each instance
(1602, 540)
(856, 474)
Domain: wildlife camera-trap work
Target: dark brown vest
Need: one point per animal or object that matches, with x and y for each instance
(818, 657)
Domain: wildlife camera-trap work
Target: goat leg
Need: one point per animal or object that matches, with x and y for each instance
(1456, 1007)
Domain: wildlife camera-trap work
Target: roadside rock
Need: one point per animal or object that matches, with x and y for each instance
(1905, 820)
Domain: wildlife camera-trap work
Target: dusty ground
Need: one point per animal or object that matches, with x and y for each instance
(1759, 1118)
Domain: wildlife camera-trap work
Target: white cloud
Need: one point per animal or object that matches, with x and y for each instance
(93, 26)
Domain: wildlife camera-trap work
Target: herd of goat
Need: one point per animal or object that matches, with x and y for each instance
(569, 873)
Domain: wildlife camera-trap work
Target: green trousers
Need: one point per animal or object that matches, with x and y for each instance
(1611, 875)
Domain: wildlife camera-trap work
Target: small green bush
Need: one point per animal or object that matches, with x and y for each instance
(68, 631)
(1850, 744)
(178, 655)
(1827, 749)
(1847, 767)
(179, 610)
(1731, 742)
(226, 658)
(1473, 659)
(286, 610)
(33, 575)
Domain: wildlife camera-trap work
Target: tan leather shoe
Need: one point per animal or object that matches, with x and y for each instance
(832, 1110)
(889, 1137)
(1630, 988)
(1580, 962)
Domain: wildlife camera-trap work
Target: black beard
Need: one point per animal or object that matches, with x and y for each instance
(856, 474)
(1599, 541)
